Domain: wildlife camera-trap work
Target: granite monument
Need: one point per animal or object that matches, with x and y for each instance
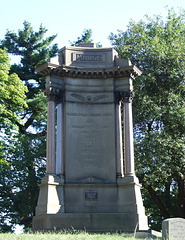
(90, 181)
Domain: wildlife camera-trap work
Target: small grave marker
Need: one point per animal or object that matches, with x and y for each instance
(173, 229)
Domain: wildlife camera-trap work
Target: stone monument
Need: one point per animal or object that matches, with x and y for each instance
(173, 229)
(87, 184)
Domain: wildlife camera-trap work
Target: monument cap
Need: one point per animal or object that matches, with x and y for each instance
(84, 44)
(87, 55)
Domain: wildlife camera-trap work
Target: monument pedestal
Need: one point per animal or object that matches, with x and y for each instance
(96, 207)
(51, 195)
(130, 201)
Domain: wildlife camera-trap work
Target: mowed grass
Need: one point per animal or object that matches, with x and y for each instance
(71, 236)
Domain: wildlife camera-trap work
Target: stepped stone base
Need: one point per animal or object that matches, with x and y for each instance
(93, 222)
(94, 206)
(148, 234)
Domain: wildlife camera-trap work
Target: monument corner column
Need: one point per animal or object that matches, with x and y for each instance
(128, 134)
(119, 173)
(59, 137)
(50, 148)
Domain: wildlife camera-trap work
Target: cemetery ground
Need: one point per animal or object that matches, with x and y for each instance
(76, 235)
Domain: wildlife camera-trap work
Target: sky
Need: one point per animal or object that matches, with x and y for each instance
(69, 18)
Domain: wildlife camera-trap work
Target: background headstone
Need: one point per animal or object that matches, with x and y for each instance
(173, 229)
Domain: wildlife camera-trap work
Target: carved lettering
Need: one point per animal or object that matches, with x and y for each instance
(89, 140)
(91, 195)
(177, 230)
(89, 130)
(90, 164)
(89, 58)
(173, 229)
(90, 115)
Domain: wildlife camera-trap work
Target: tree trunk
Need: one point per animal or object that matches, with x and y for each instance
(156, 199)
(167, 195)
(181, 196)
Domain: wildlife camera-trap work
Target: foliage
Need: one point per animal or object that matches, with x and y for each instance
(12, 94)
(26, 158)
(12, 103)
(157, 47)
(85, 37)
(33, 50)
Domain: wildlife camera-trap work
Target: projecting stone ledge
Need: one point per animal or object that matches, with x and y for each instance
(92, 222)
(92, 62)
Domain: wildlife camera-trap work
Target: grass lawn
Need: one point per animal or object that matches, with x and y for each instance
(71, 236)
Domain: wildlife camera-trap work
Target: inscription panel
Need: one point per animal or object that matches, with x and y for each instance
(90, 138)
(88, 58)
(91, 195)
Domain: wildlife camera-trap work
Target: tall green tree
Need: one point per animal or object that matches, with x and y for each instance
(12, 103)
(12, 94)
(28, 154)
(157, 47)
(86, 37)
(33, 50)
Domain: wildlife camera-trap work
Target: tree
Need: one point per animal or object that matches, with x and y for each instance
(27, 158)
(33, 50)
(157, 47)
(12, 103)
(85, 37)
(12, 93)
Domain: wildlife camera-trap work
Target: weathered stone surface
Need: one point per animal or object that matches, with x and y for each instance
(90, 132)
(85, 186)
(87, 56)
(148, 234)
(173, 229)
(51, 197)
(96, 222)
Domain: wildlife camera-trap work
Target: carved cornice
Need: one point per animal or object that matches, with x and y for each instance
(98, 73)
(125, 96)
(54, 94)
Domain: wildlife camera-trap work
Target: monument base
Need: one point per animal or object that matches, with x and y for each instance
(94, 206)
(92, 222)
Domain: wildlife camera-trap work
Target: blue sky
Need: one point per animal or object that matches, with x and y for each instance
(69, 18)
